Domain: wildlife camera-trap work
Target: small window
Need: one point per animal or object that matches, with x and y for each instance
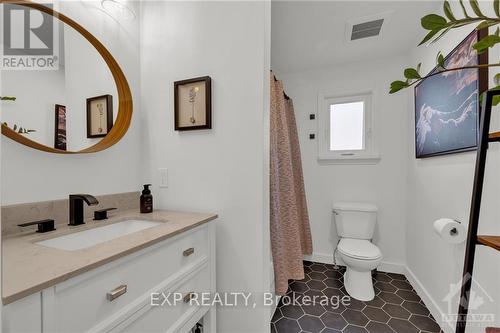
(346, 129)
(347, 126)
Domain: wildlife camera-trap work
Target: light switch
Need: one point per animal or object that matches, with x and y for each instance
(163, 177)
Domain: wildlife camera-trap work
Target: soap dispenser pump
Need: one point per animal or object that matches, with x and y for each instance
(146, 200)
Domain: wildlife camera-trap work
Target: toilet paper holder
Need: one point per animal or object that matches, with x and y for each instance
(454, 231)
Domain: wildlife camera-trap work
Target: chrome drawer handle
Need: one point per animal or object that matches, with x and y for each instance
(188, 297)
(188, 252)
(117, 292)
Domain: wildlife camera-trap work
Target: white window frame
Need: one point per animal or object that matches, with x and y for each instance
(369, 155)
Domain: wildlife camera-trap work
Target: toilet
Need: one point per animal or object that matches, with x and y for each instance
(355, 224)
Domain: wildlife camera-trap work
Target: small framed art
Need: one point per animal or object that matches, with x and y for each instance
(99, 116)
(447, 104)
(60, 127)
(193, 104)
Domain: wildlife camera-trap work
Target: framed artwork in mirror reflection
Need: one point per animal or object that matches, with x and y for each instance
(99, 116)
(60, 127)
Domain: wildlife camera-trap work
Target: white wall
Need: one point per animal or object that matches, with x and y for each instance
(28, 175)
(223, 170)
(382, 183)
(442, 187)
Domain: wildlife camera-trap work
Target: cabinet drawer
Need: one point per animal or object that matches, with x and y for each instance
(81, 303)
(169, 317)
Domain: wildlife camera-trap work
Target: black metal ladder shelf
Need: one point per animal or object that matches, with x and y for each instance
(472, 238)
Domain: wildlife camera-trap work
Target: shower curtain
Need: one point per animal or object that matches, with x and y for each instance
(290, 230)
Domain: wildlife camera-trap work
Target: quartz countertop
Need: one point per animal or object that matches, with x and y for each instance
(29, 268)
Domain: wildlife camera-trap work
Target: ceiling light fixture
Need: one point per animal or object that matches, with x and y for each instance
(118, 9)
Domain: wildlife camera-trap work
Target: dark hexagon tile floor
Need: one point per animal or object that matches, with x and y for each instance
(396, 307)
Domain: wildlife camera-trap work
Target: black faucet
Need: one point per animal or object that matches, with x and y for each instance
(76, 207)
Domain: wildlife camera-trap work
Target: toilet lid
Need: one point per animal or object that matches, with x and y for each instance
(359, 249)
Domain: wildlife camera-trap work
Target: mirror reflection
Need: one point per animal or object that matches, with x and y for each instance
(69, 107)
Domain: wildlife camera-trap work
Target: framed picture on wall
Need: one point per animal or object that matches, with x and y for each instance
(99, 116)
(193, 104)
(447, 104)
(60, 127)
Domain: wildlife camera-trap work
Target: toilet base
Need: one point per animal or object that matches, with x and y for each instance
(359, 285)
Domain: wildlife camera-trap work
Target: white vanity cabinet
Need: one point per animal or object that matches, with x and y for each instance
(183, 264)
(24, 315)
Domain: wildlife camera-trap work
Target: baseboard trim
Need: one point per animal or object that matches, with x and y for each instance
(429, 301)
(320, 257)
(392, 267)
(385, 266)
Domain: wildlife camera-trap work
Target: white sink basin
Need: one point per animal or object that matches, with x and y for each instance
(84, 239)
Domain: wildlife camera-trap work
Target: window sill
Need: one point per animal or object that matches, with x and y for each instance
(366, 159)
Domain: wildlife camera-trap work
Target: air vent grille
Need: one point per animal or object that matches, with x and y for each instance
(366, 29)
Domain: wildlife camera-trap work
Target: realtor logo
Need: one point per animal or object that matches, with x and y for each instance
(29, 39)
(477, 299)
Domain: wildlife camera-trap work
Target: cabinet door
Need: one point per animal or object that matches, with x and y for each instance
(23, 316)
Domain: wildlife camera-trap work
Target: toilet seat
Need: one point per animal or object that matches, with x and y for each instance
(361, 249)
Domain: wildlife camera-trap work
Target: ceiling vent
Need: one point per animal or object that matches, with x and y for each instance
(366, 27)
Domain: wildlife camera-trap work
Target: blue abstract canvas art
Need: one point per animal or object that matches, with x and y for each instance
(447, 105)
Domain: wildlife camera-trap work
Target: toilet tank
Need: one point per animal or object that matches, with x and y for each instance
(355, 219)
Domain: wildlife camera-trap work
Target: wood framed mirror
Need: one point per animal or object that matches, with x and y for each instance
(53, 136)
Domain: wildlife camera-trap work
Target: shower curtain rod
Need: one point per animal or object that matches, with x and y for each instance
(284, 94)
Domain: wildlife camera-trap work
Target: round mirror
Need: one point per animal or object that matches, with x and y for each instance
(75, 100)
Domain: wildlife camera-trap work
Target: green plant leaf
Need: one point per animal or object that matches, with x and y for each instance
(496, 6)
(475, 7)
(486, 24)
(411, 73)
(486, 42)
(7, 98)
(447, 11)
(428, 37)
(496, 99)
(463, 9)
(440, 60)
(433, 22)
(397, 86)
(496, 79)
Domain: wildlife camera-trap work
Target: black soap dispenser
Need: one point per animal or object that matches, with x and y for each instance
(146, 200)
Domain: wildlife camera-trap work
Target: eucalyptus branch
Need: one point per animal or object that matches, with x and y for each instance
(15, 127)
(19, 129)
(416, 80)
(438, 26)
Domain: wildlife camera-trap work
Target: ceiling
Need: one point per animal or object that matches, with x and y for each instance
(312, 34)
